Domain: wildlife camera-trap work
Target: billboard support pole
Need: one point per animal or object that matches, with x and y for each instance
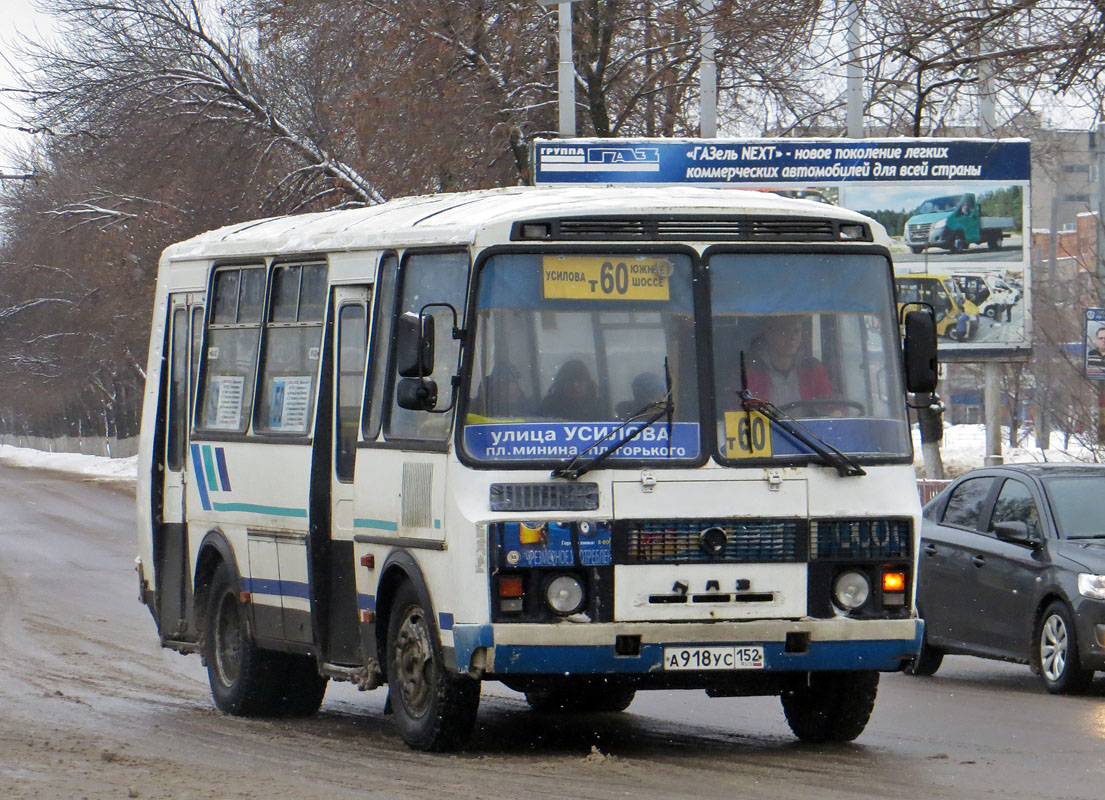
(987, 119)
(1099, 263)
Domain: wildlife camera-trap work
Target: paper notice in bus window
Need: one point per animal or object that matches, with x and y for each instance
(290, 399)
(224, 402)
(747, 435)
(601, 278)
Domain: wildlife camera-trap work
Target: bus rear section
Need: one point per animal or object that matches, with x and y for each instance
(618, 448)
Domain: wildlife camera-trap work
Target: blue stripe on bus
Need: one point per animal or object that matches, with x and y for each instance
(253, 508)
(201, 486)
(366, 602)
(224, 476)
(444, 621)
(376, 524)
(276, 587)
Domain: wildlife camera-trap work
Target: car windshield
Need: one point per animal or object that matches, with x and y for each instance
(939, 204)
(1078, 505)
(813, 334)
(570, 346)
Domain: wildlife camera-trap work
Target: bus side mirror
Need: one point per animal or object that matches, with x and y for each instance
(416, 394)
(920, 352)
(414, 345)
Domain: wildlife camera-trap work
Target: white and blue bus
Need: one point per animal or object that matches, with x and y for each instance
(537, 436)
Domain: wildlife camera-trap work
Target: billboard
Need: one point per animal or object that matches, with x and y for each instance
(1093, 364)
(957, 210)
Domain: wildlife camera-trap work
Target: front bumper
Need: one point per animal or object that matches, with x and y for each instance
(593, 649)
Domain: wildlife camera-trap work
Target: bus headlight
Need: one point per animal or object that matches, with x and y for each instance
(851, 590)
(564, 594)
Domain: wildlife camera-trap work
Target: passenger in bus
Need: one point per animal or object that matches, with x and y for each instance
(501, 394)
(648, 387)
(781, 371)
(573, 394)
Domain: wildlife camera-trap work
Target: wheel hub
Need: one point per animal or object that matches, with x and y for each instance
(1053, 648)
(414, 663)
(228, 641)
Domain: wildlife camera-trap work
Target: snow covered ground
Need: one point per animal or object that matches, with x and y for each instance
(963, 448)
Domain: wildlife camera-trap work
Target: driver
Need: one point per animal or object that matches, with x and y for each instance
(781, 371)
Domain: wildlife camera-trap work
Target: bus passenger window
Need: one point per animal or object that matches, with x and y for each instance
(292, 349)
(230, 361)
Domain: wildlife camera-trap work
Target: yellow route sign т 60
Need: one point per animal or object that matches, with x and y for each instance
(747, 435)
(621, 277)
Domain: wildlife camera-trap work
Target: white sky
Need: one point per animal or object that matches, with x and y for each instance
(16, 17)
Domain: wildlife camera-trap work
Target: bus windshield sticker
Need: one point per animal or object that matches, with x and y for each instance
(291, 400)
(606, 278)
(747, 435)
(224, 405)
(541, 441)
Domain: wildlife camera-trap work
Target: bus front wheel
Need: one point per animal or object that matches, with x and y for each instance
(434, 710)
(831, 706)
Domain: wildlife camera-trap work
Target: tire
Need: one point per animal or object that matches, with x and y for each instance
(991, 312)
(916, 250)
(1056, 652)
(928, 660)
(300, 689)
(435, 711)
(581, 696)
(832, 706)
(958, 243)
(245, 680)
(994, 242)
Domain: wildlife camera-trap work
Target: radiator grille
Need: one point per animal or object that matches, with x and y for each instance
(749, 541)
(868, 539)
(919, 232)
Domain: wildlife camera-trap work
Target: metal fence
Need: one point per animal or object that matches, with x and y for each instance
(928, 488)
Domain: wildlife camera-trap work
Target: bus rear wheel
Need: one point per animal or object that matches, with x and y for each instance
(435, 711)
(244, 678)
(831, 706)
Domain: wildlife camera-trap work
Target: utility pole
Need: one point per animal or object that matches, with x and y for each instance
(854, 91)
(566, 68)
(707, 92)
(1099, 261)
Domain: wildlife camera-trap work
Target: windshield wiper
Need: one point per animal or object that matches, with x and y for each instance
(845, 466)
(653, 410)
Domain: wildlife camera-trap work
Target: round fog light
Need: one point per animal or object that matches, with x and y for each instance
(564, 594)
(851, 590)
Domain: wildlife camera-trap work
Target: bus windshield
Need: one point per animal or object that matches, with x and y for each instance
(576, 351)
(814, 335)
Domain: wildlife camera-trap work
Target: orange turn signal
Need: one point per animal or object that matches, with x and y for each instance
(510, 586)
(893, 581)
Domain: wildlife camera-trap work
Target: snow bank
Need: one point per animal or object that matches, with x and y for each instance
(99, 468)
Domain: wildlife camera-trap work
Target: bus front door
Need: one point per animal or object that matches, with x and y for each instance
(350, 344)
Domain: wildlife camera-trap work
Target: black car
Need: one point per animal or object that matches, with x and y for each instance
(1012, 566)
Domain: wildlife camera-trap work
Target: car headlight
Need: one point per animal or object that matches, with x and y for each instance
(1090, 585)
(938, 227)
(564, 594)
(851, 590)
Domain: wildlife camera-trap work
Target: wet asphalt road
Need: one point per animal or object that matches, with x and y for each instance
(91, 707)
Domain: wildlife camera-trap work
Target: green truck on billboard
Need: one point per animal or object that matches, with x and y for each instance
(953, 222)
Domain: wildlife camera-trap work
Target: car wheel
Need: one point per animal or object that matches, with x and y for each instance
(244, 678)
(916, 250)
(991, 312)
(581, 696)
(958, 242)
(928, 660)
(434, 710)
(1057, 652)
(831, 706)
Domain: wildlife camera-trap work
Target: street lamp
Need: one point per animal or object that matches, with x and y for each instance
(566, 74)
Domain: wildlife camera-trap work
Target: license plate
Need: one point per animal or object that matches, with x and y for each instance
(744, 656)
